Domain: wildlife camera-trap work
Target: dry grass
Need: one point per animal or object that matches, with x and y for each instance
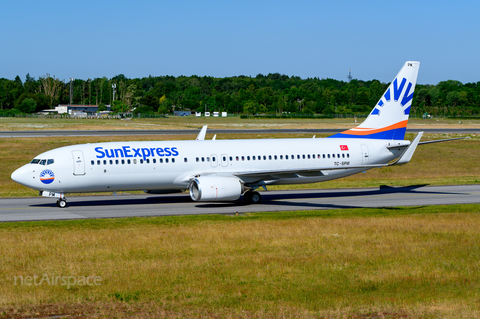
(366, 263)
(436, 164)
(176, 122)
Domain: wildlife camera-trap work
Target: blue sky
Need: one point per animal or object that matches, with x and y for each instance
(89, 39)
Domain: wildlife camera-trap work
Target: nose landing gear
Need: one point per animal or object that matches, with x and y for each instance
(62, 203)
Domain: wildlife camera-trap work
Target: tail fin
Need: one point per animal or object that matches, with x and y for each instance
(388, 120)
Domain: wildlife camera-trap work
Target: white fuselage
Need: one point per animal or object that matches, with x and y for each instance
(170, 165)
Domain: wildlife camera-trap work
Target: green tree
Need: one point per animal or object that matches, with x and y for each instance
(28, 105)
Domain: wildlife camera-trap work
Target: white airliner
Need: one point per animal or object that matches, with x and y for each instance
(223, 170)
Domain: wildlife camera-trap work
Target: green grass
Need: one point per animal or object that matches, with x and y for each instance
(390, 262)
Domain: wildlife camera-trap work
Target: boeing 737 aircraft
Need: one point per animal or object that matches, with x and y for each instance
(223, 170)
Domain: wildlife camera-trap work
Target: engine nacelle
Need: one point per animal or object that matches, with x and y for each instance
(215, 188)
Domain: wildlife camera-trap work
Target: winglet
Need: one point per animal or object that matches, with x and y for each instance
(408, 153)
(201, 135)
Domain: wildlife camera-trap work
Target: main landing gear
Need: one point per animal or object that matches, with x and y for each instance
(62, 203)
(252, 197)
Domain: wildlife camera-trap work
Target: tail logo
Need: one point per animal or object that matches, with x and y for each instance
(47, 176)
(397, 91)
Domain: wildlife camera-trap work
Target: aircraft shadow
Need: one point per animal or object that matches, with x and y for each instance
(279, 199)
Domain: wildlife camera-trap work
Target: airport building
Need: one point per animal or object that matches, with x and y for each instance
(75, 110)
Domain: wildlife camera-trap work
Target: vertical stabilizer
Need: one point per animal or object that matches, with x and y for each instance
(388, 119)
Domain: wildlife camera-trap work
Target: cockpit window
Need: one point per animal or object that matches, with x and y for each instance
(42, 162)
(35, 161)
(50, 161)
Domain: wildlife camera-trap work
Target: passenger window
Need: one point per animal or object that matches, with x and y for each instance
(286, 156)
(208, 159)
(161, 160)
(154, 161)
(141, 161)
(116, 162)
(253, 157)
(308, 156)
(248, 158)
(98, 162)
(338, 155)
(123, 161)
(298, 156)
(224, 158)
(333, 155)
(275, 157)
(323, 155)
(93, 162)
(135, 161)
(328, 155)
(237, 158)
(111, 162)
(303, 156)
(231, 158)
(104, 162)
(243, 158)
(148, 161)
(128, 161)
(173, 160)
(281, 156)
(270, 157)
(197, 159)
(343, 155)
(348, 155)
(185, 159)
(264, 158)
(203, 159)
(166, 160)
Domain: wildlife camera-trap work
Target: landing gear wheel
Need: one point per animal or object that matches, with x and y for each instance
(62, 203)
(255, 198)
(251, 197)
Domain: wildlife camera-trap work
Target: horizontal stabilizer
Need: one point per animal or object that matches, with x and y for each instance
(408, 153)
(444, 140)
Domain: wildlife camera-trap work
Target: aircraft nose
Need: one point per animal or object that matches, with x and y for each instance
(20, 176)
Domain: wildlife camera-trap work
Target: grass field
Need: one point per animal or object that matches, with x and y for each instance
(179, 122)
(416, 262)
(357, 263)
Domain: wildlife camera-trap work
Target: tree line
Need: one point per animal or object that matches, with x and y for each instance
(272, 93)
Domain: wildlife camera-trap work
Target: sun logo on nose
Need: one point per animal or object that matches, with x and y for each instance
(47, 176)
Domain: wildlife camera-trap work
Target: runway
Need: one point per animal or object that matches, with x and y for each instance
(82, 207)
(16, 134)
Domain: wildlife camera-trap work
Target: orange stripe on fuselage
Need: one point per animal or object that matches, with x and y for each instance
(368, 131)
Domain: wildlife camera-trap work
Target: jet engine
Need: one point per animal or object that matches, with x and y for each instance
(215, 188)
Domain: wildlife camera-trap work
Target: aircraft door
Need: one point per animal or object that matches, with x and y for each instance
(364, 154)
(213, 160)
(224, 160)
(78, 163)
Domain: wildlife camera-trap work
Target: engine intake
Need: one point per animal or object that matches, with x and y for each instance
(215, 188)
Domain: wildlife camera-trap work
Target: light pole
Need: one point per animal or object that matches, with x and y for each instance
(114, 87)
(71, 92)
